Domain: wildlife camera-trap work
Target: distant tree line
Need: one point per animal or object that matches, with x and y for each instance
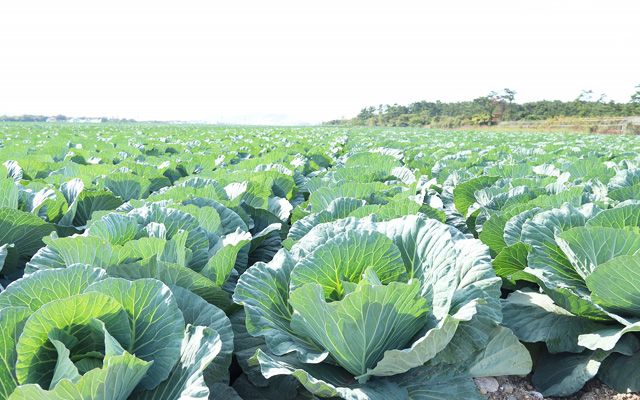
(56, 118)
(490, 110)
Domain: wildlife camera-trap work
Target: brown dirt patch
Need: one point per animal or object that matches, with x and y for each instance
(519, 388)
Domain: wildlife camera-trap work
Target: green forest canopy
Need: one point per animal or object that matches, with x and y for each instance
(490, 110)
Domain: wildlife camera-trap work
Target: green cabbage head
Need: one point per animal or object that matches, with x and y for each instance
(76, 334)
(585, 264)
(360, 308)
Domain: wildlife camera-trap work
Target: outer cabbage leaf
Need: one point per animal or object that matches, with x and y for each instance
(115, 381)
(199, 347)
(72, 315)
(156, 323)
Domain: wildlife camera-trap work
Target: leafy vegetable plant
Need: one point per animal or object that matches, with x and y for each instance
(360, 308)
(75, 333)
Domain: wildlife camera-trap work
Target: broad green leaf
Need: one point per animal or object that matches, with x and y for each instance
(200, 183)
(511, 171)
(404, 174)
(264, 223)
(174, 250)
(45, 286)
(624, 178)
(157, 325)
(173, 274)
(397, 209)
(264, 291)
(112, 347)
(548, 263)
(115, 381)
(8, 259)
(12, 320)
(65, 368)
(433, 213)
(327, 380)
(198, 312)
(606, 338)
(280, 207)
(626, 193)
(321, 198)
(9, 193)
(219, 266)
(251, 193)
(587, 168)
(616, 285)
(513, 227)
(174, 220)
(464, 194)
(422, 350)
(364, 211)
(71, 190)
(114, 228)
(208, 217)
(547, 259)
(346, 257)
(127, 186)
(534, 317)
(587, 248)
(155, 230)
(621, 372)
(428, 251)
(229, 219)
(440, 382)
(511, 263)
(503, 355)
(199, 347)
(88, 250)
(619, 217)
(300, 212)
(145, 247)
(24, 230)
(563, 374)
(72, 315)
(493, 232)
(85, 204)
(302, 226)
(48, 204)
(363, 338)
(338, 208)
(477, 291)
(574, 196)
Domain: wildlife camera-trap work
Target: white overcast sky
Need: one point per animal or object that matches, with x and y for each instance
(312, 60)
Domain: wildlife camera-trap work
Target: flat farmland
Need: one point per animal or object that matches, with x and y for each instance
(159, 261)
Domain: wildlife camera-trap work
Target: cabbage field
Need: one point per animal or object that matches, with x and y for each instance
(211, 262)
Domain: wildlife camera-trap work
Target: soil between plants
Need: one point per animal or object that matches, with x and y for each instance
(521, 389)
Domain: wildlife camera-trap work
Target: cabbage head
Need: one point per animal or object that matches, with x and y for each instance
(361, 308)
(74, 333)
(585, 302)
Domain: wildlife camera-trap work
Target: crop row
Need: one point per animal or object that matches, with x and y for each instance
(199, 262)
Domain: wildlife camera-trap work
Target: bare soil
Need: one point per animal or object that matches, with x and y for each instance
(519, 388)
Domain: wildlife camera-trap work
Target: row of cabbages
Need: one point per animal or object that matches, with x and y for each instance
(367, 273)
(358, 308)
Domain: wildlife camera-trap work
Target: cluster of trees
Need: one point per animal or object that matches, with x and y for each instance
(490, 110)
(30, 118)
(58, 118)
